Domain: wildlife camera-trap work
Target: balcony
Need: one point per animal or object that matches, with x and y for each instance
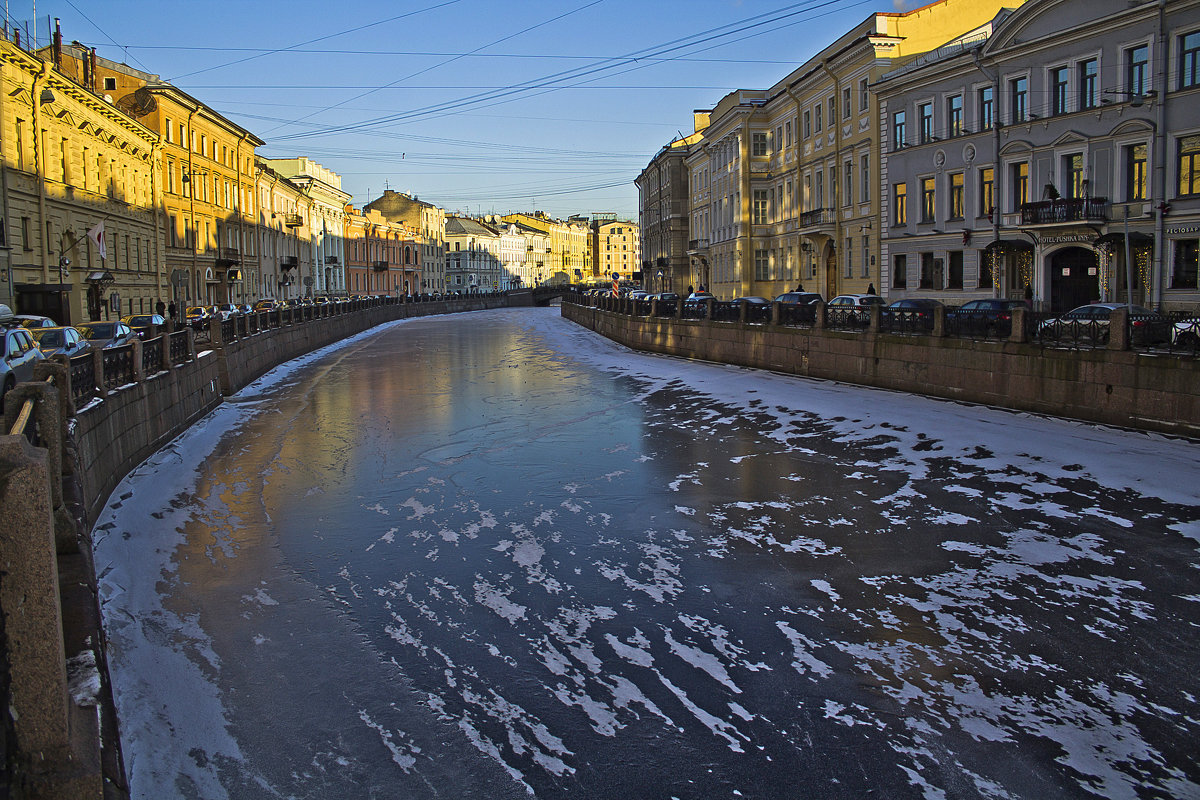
(293, 220)
(1065, 210)
(331, 261)
(697, 244)
(229, 257)
(379, 266)
(817, 217)
(289, 262)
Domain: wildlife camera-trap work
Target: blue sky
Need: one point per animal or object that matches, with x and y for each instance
(471, 105)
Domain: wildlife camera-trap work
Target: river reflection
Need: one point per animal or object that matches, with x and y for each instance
(488, 555)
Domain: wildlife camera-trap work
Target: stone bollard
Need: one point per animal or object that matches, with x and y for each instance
(876, 313)
(1118, 329)
(776, 312)
(139, 371)
(1019, 334)
(939, 321)
(743, 310)
(818, 315)
(708, 308)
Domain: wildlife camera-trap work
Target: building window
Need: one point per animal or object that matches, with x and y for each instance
(864, 174)
(1073, 172)
(900, 271)
(954, 115)
(848, 256)
(863, 96)
(1187, 258)
(788, 133)
(1135, 172)
(820, 190)
(987, 108)
(1060, 83)
(1018, 98)
(759, 209)
(1189, 165)
(848, 183)
(807, 124)
(954, 280)
(928, 199)
(758, 142)
(817, 121)
(899, 126)
(846, 103)
(1020, 184)
(957, 209)
(866, 258)
(832, 110)
(762, 264)
(987, 192)
(900, 201)
(1137, 61)
(931, 272)
(1189, 60)
(1089, 86)
(925, 121)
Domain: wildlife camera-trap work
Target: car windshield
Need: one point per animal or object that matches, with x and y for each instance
(141, 321)
(48, 337)
(98, 331)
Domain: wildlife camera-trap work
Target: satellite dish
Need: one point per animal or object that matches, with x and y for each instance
(138, 103)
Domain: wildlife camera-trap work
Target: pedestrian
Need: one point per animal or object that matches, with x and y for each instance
(690, 290)
(171, 310)
(160, 308)
(870, 288)
(799, 287)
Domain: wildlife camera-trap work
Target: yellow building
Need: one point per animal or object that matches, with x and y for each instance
(616, 247)
(207, 180)
(70, 162)
(784, 182)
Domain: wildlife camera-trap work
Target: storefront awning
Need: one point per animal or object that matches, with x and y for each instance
(1010, 244)
(1136, 239)
(102, 276)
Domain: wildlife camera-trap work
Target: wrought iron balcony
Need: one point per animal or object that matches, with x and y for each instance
(332, 261)
(698, 244)
(229, 257)
(379, 266)
(1075, 209)
(289, 262)
(293, 220)
(816, 217)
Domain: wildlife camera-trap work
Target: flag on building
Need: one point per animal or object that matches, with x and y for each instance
(96, 234)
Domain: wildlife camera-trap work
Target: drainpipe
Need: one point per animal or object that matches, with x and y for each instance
(834, 194)
(39, 81)
(192, 199)
(156, 200)
(1159, 186)
(997, 171)
(799, 185)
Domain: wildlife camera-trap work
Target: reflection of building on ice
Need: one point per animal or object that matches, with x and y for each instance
(1041, 174)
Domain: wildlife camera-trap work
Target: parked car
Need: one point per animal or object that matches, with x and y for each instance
(1090, 323)
(228, 310)
(853, 308)
(245, 308)
(910, 313)
(753, 300)
(113, 333)
(990, 316)
(197, 316)
(1186, 332)
(700, 296)
(801, 298)
(141, 323)
(66, 340)
(31, 321)
(19, 355)
(265, 305)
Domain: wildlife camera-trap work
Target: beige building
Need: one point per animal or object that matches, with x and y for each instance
(326, 227)
(284, 234)
(616, 247)
(70, 162)
(568, 252)
(783, 184)
(429, 222)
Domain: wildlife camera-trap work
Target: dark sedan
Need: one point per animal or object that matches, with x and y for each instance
(989, 317)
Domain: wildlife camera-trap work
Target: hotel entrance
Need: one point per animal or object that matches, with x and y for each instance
(1074, 278)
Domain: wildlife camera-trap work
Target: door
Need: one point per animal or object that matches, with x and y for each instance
(1074, 278)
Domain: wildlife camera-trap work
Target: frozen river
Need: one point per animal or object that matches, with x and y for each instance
(494, 555)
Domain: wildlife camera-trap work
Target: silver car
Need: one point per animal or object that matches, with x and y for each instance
(67, 341)
(19, 356)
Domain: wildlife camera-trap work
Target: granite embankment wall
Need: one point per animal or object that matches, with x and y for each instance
(1111, 385)
(58, 466)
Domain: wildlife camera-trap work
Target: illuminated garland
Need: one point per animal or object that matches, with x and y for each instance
(1025, 267)
(1142, 259)
(994, 256)
(1105, 259)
